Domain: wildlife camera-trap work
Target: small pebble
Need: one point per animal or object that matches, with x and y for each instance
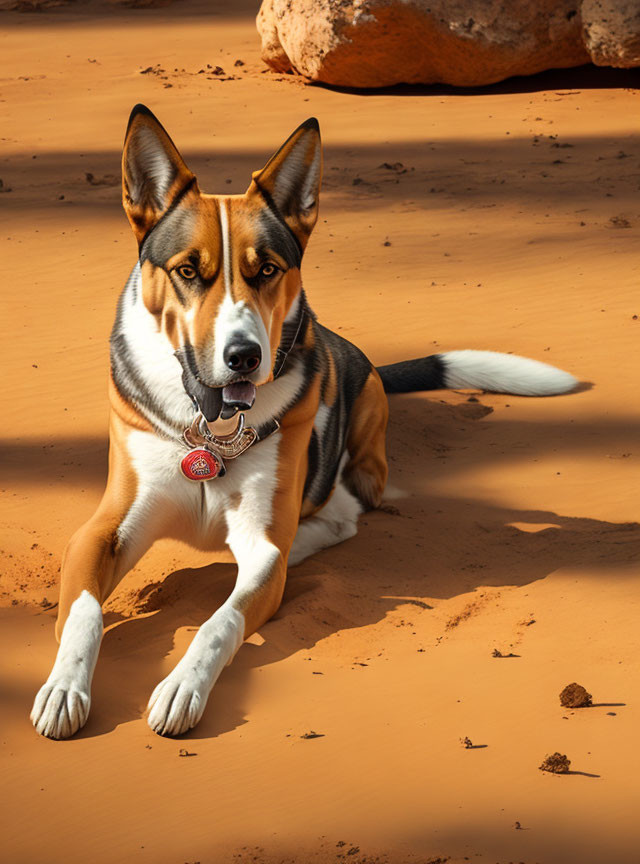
(557, 763)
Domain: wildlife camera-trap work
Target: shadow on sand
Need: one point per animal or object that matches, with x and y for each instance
(359, 582)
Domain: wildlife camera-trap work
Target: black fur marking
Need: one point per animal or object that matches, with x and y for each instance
(174, 235)
(277, 235)
(142, 254)
(410, 376)
(326, 448)
(293, 333)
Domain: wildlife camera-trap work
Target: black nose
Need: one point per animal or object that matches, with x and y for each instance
(243, 357)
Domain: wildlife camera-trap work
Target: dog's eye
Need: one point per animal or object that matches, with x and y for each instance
(268, 270)
(187, 272)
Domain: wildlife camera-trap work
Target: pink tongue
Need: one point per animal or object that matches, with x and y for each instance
(242, 391)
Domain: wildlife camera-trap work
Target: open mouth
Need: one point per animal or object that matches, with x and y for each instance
(238, 396)
(214, 402)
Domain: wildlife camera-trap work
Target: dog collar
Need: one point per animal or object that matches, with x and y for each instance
(207, 452)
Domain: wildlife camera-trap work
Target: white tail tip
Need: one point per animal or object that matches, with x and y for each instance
(504, 373)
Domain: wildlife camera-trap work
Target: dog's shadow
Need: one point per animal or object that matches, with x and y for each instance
(423, 545)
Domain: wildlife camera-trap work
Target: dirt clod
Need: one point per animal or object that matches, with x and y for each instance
(390, 509)
(575, 696)
(557, 763)
(397, 167)
(106, 180)
(619, 222)
(497, 653)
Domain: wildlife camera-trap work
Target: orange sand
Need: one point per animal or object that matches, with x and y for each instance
(516, 526)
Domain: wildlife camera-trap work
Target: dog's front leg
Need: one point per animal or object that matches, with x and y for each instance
(260, 531)
(177, 703)
(96, 558)
(61, 706)
(93, 564)
(261, 549)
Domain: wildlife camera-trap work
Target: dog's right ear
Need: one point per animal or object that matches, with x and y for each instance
(153, 172)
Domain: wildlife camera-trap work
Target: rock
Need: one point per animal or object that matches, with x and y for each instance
(378, 43)
(612, 31)
(557, 763)
(575, 696)
(273, 53)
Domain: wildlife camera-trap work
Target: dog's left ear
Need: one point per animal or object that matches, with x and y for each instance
(290, 181)
(153, 172)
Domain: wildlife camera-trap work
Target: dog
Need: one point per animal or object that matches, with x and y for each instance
(237, 420)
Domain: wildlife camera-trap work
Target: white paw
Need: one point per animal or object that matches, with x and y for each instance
(60, 709)
(177, 703)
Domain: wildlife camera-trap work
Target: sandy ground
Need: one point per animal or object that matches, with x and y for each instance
(512, 223)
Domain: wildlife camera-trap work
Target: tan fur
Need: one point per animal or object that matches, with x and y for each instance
(92, 556)
(366, 471)
(331, 386)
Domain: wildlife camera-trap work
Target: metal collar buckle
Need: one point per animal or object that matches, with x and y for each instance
(230, 446)
(204, 461)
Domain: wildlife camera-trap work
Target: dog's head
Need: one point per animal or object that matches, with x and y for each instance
(220, 273)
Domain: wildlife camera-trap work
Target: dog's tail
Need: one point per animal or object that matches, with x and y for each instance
(484, 370)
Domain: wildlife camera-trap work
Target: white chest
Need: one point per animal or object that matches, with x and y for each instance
(196, 511)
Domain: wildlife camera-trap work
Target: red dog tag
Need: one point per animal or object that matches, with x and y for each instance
(200, 464)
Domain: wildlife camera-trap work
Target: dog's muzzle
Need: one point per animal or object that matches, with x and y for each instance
(214, 402)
